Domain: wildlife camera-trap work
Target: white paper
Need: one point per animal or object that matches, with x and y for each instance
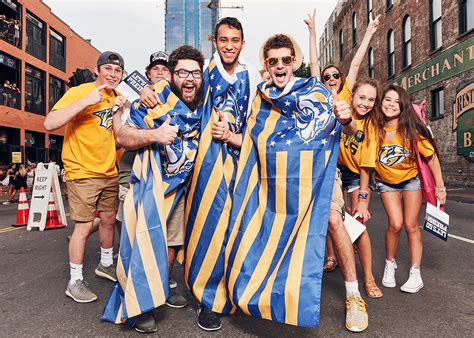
(353, 227)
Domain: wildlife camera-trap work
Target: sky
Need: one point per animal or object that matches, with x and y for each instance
(135, 28)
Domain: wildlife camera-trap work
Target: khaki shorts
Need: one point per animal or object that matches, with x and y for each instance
(175, 226)
(337, 200)
(88, 195)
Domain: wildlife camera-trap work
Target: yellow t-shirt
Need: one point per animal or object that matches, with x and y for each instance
(395, 164)
(89, 143)
(345, 93)
(354, 154)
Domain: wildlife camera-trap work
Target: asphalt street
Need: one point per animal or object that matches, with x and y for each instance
(34, 272)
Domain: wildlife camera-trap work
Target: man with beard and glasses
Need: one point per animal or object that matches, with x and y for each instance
(174, 134)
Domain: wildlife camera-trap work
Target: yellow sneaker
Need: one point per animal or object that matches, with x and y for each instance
(357, 319)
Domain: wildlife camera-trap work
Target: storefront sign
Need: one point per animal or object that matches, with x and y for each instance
(463, 121)
(16, 157)
(455, 60)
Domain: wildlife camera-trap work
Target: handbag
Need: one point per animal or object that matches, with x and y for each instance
(6, 181)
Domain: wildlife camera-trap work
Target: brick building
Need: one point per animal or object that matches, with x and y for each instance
(38, 53)
(426, 46)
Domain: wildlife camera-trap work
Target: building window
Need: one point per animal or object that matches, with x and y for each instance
(56, 90)
(35, 37)
(466, 15)
(34, 90)
(390, 53)
(435, 28)
(370, 59)
(370, 10)
(406, 38)
(354, 29)
(10, 22)
(10, 85)
(389, 4)
(437, 103)
(341, 44)
(57, 51)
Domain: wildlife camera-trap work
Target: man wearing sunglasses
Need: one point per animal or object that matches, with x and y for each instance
(185, 68)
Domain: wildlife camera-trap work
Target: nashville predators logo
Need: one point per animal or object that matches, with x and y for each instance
(392, 155)
(105, 117)
(313, 114)
(180, 155)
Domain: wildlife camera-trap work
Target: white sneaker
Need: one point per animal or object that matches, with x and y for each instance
(388, 279)
(414, 282)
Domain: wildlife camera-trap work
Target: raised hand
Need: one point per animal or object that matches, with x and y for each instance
(166, 133)
(148, 97)
(220, 129)
(119, 102)
(373, 24)
(95, 96)
(310, 22)
(341, 109)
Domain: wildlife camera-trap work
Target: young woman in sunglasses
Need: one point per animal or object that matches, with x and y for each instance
(332, 77)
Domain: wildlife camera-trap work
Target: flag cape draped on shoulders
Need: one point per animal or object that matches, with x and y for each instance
(158, 178)
(278, 223)
(209, 196)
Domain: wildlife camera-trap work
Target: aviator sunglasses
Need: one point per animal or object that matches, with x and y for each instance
(328, 76)
(287, 60)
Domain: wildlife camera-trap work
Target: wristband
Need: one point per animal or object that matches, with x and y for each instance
(363, 195)
(440, 189)
(347, 122)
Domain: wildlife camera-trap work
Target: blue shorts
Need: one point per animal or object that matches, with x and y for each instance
(409, 185)
(351, 180)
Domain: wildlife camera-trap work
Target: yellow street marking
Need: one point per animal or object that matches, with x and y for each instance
(4, 230)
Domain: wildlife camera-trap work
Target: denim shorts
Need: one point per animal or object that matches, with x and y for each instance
(351, 180)
(409, 185)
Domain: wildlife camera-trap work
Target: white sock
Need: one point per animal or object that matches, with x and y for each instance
(352, 288)
(107, 256)
(76, 272)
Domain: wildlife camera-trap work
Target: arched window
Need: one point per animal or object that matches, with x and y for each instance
(370, 59)
(341, 45)
(436, 36)
(354, 29)
(390, 53)
(406, 38)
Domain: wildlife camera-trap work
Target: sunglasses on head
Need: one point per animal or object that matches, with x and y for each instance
(287, 60)
(328, 76)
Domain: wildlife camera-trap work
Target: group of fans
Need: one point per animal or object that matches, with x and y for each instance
(380, 132)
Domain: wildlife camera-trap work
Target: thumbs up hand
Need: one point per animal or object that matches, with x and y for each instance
(220, 129)
(166, 133)
(341, 109)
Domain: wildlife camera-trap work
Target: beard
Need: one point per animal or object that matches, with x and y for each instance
(197, 98)
(232, 63)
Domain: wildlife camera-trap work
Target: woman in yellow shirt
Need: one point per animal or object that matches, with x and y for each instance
(398, 126)
(356, 149)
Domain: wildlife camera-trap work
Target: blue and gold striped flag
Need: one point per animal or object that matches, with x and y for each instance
(209, 197)
(158, 178)
(278, 223)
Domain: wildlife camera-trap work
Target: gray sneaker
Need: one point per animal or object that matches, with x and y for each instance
(175, 300)
(106, 272)
(80, 292)
(146, 323)
(173, 284)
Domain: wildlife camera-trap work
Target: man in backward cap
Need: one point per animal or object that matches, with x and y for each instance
(89, 159)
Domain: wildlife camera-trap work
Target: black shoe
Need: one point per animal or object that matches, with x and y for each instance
(176, 300)
(208, 320)
(146, 323)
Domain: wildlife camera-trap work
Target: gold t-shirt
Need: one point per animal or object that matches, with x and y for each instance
(89, 143)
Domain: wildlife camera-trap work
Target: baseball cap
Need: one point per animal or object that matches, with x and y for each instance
(158, 57)
(110, 57)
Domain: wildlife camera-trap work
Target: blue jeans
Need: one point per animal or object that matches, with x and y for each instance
(409, 185)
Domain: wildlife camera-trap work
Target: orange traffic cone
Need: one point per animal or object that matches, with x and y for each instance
(23, 210)
(52, 217)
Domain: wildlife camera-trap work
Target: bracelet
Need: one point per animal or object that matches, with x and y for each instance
(230, 137)
(440, 189)
(346, 123)
(363, 195)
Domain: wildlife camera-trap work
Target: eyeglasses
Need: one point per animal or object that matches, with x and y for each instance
(183, 73)
(334, 75)
(287, 60)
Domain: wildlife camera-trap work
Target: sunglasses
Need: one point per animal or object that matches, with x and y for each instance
(328, 76)
(287, 60)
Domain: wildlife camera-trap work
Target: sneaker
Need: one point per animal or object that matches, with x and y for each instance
(146, 323)
(6, 203)
(80, 292)
(357, 319)
(388, 279)
(175, 300)
(106, 272)
(208, 320)
(173, 284)
(414, 282)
